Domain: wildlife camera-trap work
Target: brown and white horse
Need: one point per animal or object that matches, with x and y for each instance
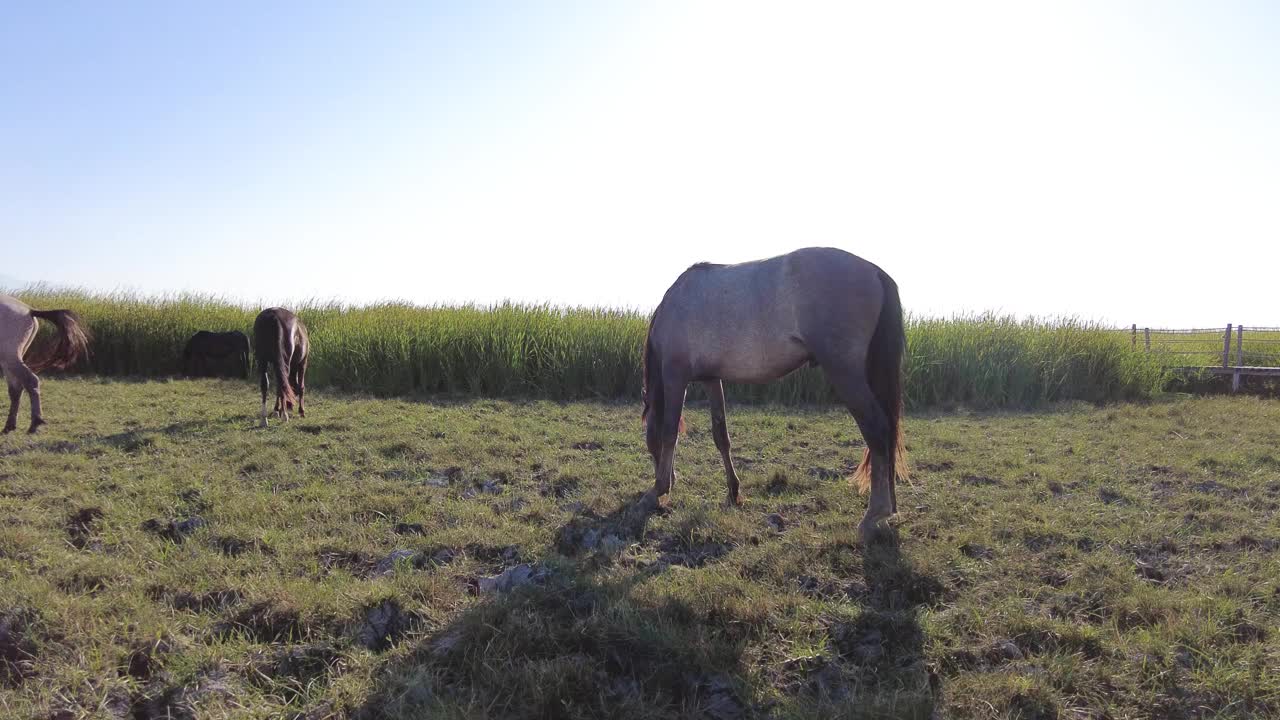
(280, 340)
(755, 322)
(18, 326)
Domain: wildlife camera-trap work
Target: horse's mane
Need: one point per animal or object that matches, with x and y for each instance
(644, 356)
(644, 366)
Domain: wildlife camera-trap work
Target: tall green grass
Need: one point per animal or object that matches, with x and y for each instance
(514, 350)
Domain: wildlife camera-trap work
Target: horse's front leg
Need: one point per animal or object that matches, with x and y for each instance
(672, 411)
(720, 431)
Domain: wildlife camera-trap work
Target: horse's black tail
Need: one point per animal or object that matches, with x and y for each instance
(244, 351)
(884, 373)
(73, 342)
(269, 333)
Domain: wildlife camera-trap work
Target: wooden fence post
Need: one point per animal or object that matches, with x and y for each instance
(1226, 347)
(1146, 332)
(1135, 336)
(1239, 345)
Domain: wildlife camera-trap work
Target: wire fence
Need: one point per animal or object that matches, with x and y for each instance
(1230, 346)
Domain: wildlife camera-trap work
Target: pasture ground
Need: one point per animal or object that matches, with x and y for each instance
(161, 557)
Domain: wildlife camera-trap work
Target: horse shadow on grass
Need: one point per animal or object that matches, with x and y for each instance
(578, 641)
(132, 440)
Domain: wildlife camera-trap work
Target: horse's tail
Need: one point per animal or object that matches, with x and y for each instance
(243, 340)
(268, 332)
(651, 390)
(282, 365)
(884, 373)
(73, 341)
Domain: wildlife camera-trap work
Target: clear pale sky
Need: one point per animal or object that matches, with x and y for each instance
(1107, 160)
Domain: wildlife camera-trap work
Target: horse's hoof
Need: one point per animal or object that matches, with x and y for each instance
(262, 423)
(871, 532)
(651, 501)
(8, 429)
(733, 501)
(35, 427)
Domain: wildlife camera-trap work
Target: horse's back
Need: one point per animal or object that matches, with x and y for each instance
(758, 319)
(17, 326)
(200, 338)
(272, 318)
(274, 323)
(273, 315)
(266, 333)
(12, 309)
(207, 341)
(776, 291)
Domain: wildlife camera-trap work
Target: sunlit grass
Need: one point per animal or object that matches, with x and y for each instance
(1076, 561)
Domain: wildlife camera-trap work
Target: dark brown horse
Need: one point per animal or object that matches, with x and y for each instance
(217, 347)
(280, 341)
(758, 321)
(18, 328)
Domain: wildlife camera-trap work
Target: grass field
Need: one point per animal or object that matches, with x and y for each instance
(522, 351)
(159, 557)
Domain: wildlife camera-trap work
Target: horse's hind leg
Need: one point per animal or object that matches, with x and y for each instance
(278, 408)
(299, 382)
(15, 397)
(21, 377)
(264, 384)
(283, 406)
(850, 382)
(720, 431)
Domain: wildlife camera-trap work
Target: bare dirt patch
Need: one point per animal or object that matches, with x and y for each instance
(384, 624)
(18, 646)
(174, 530)
(263, 622)
(82, 526)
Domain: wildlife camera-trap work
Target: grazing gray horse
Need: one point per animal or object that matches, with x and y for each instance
(280, 340)
(755, 322)
(18, 326)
